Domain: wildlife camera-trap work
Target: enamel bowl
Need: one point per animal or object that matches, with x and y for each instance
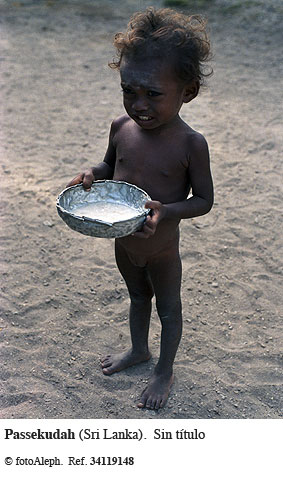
(111, 209)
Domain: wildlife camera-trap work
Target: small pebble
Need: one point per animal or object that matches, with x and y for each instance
(48, 223)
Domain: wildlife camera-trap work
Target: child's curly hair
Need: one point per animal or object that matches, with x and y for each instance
(164, 32)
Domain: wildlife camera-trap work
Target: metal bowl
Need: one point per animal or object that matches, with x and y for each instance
(74, 198)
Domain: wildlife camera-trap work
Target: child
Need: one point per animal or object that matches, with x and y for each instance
(160, 63)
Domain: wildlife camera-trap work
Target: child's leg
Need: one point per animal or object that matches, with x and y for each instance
(141, 292)
(165, 273)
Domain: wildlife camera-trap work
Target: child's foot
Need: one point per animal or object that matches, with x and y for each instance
(156, 393)
(112, 363)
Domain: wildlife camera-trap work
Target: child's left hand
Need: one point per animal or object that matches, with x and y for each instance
(156, 215)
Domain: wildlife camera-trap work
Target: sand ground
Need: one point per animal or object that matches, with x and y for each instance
(63, 303)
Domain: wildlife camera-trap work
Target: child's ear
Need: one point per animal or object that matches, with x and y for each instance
(191, 91)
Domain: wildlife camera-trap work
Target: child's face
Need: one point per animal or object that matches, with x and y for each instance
(153, 95)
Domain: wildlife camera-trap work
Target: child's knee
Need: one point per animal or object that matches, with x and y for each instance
(141, 297)
(169, 308)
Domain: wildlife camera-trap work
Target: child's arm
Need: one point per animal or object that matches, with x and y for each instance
(201, 182)
(104, 170)
(202, 189)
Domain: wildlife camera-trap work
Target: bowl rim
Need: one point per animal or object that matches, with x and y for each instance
(87, 218)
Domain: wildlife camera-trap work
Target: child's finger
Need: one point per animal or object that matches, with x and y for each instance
(76, 180)
(87, 181)
(148, 230)
(155, 205)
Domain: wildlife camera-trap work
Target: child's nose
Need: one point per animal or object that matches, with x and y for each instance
(140, 104)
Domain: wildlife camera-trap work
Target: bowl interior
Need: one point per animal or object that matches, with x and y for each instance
(107, 200)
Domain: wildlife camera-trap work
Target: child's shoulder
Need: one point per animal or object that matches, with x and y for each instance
(196, 146)
(119, 122)
(195, 140)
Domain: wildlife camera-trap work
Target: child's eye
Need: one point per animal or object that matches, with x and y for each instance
(127, 90)
(152, 93)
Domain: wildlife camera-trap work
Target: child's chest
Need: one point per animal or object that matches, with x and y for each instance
(159, 166)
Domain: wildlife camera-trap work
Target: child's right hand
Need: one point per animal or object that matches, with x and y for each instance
(86, 178)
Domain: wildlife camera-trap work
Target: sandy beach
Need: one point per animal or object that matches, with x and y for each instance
(63, 302)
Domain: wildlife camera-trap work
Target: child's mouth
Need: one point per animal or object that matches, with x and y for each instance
(144, 118)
